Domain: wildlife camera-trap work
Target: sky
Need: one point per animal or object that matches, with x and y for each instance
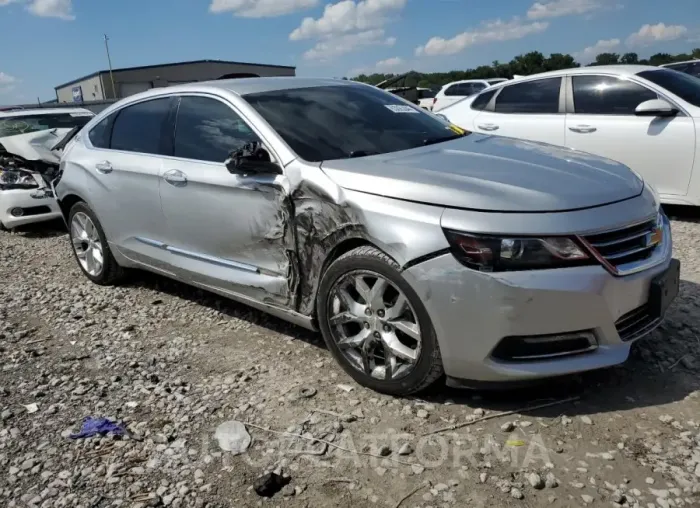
(44, 43)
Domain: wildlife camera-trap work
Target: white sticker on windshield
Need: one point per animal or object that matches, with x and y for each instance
(81, 114)
(399, 108)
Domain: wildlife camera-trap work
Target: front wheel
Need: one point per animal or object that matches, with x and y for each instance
(376, 326)
(90, 246)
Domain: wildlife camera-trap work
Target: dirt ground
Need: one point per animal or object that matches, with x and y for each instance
(173, 364)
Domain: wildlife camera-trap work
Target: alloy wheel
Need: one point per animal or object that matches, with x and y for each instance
(87, 244)
(374, 325)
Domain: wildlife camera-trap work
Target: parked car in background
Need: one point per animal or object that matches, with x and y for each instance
(644, 117)
(379, 224)
(425, 98)
(30, 150)
(458, 90)
(691, 67)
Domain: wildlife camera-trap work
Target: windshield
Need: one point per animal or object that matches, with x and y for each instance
(14, 125)
(685, 86)
(343, 121)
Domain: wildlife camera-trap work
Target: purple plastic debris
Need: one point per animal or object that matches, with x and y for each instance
(94, 426)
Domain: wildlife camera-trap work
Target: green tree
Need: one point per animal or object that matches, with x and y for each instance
(630, 58)
(660, 59)
(696, 53)
(607, 59)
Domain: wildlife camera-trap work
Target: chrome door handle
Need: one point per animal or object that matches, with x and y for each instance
(583, 129)
(488, 127)
(104, 167)
(175, 177)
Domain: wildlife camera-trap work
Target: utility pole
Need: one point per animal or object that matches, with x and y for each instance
(111, 76)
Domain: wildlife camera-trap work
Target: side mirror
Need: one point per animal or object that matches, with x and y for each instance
(252, 159)
(656, 107)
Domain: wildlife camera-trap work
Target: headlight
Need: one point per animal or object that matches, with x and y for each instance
(17, 180)
(502, 254)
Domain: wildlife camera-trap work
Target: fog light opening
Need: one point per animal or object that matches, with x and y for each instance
(17, 212)
(543, 347)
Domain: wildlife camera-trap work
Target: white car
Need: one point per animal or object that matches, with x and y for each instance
(642, 116)
(691, 67)
(458, 90)
(31, 142)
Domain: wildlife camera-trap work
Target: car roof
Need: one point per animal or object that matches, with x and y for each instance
(42, 112)
(472, 81)
(683, 62)
(244, 86)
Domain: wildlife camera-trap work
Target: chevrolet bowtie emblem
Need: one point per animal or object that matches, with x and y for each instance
(655, 237)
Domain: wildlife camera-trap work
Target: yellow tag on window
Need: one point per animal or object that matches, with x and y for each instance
(457, 130)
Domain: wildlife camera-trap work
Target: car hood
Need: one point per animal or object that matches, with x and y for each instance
(490, 173)
(36, 146)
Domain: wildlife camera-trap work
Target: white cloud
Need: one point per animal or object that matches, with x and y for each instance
(490, 31)
(557, 8)
(588, 54)
(260, 8)
(347, 16)
(332, 47)
(7, 2)
(7, 82)
(62, 9)
(655, 33)
(389, 63)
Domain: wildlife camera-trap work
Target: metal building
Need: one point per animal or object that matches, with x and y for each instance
(128, 81)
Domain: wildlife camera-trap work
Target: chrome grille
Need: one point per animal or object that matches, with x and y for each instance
(625, 245)
(636, 323)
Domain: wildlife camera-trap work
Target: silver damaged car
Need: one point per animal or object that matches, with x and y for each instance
(416, 248)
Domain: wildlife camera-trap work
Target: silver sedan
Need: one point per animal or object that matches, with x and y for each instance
(416, 248)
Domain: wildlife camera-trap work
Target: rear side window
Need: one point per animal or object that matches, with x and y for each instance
(99, 135)
(482, 100)
(209, 130)
(139, 128)
(531, 97)
(454, 90)
(608, 95)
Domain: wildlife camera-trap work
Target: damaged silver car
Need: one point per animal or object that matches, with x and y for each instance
(416, 248)
(31, 142)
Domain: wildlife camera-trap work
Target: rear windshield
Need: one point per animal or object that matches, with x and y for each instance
(344, 121)
(14, 125)
(685, 86)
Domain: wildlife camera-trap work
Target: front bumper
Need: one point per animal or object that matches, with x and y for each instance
(33, 209)
(472, 312)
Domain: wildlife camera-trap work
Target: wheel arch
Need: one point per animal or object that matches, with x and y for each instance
(67, 202)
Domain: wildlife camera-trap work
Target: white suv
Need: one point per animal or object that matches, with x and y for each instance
(458, 90)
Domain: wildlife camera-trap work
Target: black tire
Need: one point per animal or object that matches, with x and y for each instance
(428, 369)
(2, 227)
(111, 273)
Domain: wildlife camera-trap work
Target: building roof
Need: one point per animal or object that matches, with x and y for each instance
(170, 65)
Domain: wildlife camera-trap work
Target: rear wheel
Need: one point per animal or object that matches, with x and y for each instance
(90, 246)
(375, 324)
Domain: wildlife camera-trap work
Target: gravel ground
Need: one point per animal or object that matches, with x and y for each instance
(178, 367)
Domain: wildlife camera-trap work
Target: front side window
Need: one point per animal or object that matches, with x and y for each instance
(530, 97)
(139, 128)
(426, 94)
(682, 85)
(344, 121)
(209, 130)
(608, 95)
(25, 124)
